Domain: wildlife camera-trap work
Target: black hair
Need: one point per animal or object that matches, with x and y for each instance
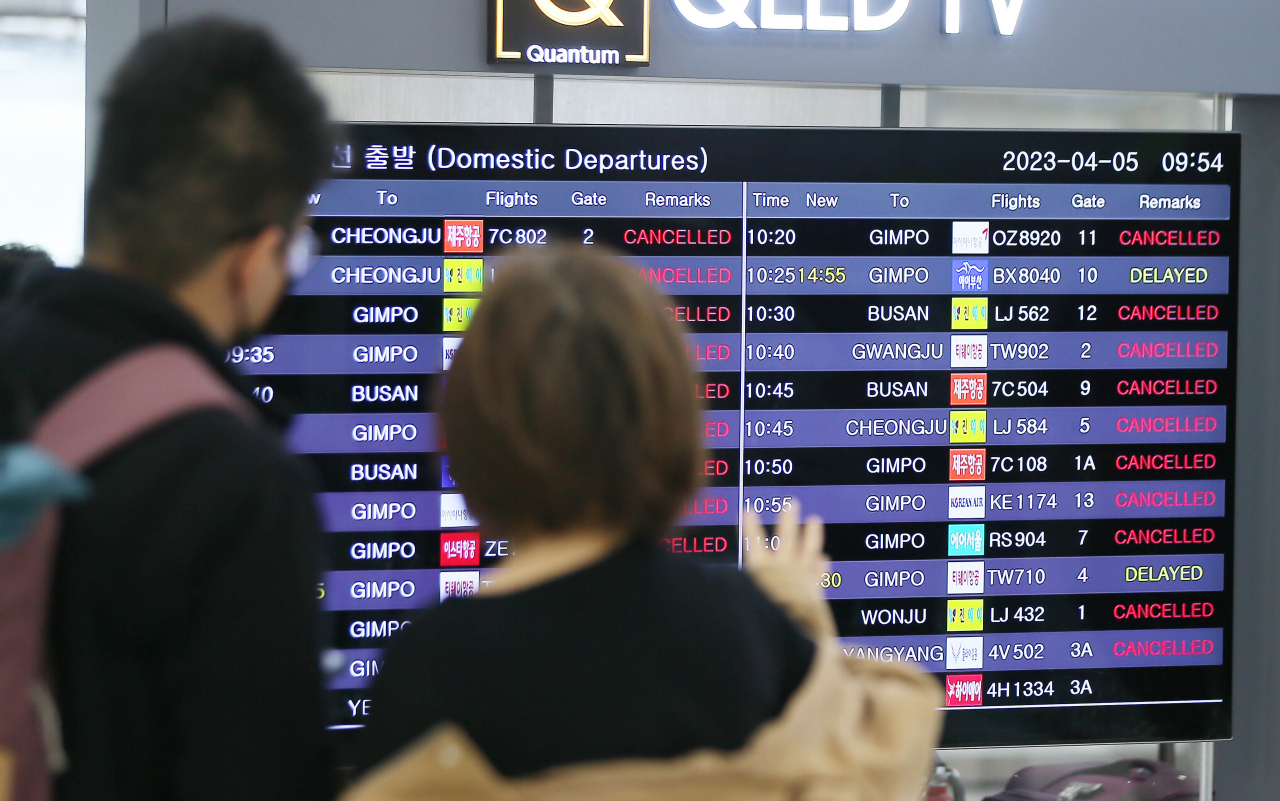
(210, 134)
(17, 264)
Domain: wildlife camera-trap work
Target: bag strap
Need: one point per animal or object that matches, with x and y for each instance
(129, 396)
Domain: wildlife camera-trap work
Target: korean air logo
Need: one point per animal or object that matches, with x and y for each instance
(595, 10)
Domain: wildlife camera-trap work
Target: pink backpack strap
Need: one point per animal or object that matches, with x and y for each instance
(128, 396)
(122, 400)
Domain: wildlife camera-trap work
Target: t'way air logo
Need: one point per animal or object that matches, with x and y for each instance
(604, 32)
(969, 314)
(463, 275)
(969, 426)
(458, 313)
(965, 615)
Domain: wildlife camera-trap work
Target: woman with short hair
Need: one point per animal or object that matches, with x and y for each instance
(597, 665)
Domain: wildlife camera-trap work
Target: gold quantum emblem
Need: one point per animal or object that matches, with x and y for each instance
(597, 10)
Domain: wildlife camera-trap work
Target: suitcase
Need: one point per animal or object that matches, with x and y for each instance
(1125, 780)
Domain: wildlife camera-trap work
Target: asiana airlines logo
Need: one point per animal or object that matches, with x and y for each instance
(603, 32)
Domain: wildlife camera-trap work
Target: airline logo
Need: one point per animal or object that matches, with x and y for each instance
(964, 689)
(964, 653)
(464, 275)
(451, 345)
(969, 275)
(968, 464)
(968, 350)
(966, 578)
(969, 426)
(464, 236)
(459, 549)
(966, 503)
(446, 478)
(459, 584)
(969, 314)
(965, 615)
(970, 238)
(966, 539)
(454, 512)
(968, 389)
(458, 313)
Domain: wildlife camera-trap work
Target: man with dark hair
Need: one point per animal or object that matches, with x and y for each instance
(183, 629)
(18, 263)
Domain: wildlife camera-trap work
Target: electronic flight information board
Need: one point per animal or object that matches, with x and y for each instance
(1000, 365)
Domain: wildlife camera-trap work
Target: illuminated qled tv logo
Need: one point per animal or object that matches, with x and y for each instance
(584, 32)
(867, 15)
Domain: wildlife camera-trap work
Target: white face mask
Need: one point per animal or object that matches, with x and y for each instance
(302, 252)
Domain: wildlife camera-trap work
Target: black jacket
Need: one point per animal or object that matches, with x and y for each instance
(184, 626)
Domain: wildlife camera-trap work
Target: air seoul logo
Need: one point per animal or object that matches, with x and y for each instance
(867, 15)
(605, 32)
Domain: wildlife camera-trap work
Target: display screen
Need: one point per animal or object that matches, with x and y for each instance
(1000, 366)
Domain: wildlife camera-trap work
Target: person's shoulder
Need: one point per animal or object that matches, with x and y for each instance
(214, 452)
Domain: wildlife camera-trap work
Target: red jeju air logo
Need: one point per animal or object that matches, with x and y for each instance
(968, 464)
(964, 689)
(968, 389)
(459, 549)
(464, 236)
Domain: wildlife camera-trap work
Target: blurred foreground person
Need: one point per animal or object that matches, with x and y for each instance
(182, 628)
(18, 263)
(598, 665)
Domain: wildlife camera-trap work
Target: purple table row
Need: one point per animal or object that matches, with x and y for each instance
(976, 350)
(409, 432)
(1052, 650)
(361, 354)
(355, 668)
(808, 275)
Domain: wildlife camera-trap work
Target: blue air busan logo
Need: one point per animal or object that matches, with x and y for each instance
(969, 275)
(587, 32)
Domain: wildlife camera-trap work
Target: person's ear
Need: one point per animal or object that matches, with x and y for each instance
(257, 276)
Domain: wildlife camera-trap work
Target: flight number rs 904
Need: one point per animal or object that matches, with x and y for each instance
(1016, 539)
